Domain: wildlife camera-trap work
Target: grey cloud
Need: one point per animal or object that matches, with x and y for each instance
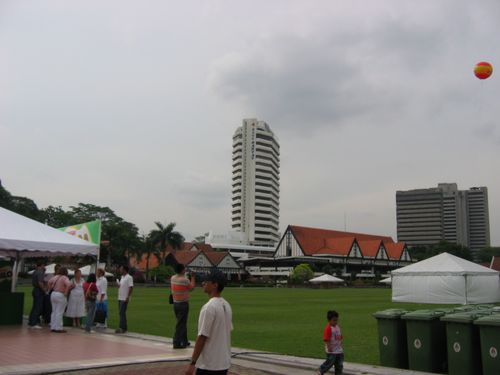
(202, 192)
(284, 81)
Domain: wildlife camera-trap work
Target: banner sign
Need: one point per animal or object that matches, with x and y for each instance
(90, 231)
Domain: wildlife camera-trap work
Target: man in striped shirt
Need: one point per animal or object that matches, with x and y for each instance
(180, 287)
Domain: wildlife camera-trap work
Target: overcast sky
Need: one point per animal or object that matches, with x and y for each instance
(133, 104)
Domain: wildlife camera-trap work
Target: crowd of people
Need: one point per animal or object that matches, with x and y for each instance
(212, 349)
(56, 296)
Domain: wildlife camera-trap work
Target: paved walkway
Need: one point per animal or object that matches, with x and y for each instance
(30, 351)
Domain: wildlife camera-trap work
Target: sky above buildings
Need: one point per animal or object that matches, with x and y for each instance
(133, 104)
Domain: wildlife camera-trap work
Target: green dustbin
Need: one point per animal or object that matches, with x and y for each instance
(464, 353)
(426, 340)
(392, 338)
(11, 312)
(489, 333)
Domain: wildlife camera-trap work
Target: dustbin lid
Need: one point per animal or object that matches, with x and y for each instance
(484, 307)
(465, 317)
(490, 320)
(390, 314)
(465, 308)
(424, 315)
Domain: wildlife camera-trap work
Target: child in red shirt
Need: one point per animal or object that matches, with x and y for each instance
(332, 336)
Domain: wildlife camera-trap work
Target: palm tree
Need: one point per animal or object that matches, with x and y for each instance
(164, 236)
(146, 248)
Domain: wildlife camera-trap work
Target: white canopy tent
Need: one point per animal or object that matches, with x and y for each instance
(21, 237)
(326, 279)
(445, 278)
(386, 281)
(86, 270)
(50, 270)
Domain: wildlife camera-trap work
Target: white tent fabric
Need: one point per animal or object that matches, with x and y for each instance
(326, 279)
(445, 278)
(21, 234)
(22, 237)
(387, 281)
(86, 270)
(50, 270)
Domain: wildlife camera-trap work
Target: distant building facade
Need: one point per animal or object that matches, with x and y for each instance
(444, 213)
(350, 254)
(256, 183)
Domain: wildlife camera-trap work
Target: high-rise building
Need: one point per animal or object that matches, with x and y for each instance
(427, 216)
(256, 183)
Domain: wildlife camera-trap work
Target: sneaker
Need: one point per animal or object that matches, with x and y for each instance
(36, 326)
(119, 330)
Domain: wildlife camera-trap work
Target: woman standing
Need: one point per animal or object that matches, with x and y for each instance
(76, 300)
(90, 290)
(60, 286)
(102, 297)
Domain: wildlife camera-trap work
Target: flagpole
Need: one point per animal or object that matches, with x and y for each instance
(100, 215)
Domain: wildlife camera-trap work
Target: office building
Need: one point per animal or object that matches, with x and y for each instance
(428, 216)
(256, 183)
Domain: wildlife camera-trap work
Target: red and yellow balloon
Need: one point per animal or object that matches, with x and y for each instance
(483, 70)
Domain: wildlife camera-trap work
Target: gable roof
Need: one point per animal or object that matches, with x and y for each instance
(370, 248)
(394, 249)
(336, 246)
(203, 246)
(216, 256)
(185, 256)
(323, 241)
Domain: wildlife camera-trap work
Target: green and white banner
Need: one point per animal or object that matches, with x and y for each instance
(90, 231)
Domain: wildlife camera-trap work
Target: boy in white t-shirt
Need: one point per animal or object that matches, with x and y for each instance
(212, 350)
(125, 287)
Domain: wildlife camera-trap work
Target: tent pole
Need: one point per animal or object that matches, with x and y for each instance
(15, 271)
(465, 278)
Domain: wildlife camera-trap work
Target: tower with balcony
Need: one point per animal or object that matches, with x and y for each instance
(256, 183)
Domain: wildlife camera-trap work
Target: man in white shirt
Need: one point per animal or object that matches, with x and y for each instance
(125, 287)
(212, 350)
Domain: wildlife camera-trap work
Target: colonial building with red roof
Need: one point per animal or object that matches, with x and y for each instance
(197, 257)
(351, 252)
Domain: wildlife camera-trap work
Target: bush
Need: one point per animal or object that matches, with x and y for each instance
(162, 273)
(138, 277)
(301, 274)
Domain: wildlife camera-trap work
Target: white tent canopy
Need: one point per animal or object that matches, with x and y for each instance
(87, 270)
(21, 237)
(326, 279)
(386, 281)
(445, 278)
(19, 234)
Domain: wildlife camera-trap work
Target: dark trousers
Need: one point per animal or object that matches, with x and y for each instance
(37, 308)
(122, 308)
(90, 307)
(47, 309)
(200, 371)
(181, 310)
(336, 360)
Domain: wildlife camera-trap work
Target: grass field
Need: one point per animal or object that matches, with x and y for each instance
(282, 320)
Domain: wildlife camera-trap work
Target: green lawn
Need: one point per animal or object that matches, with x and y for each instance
(282, 320)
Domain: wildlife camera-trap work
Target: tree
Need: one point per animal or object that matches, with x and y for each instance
(423, 252)
(485, 255)
(5, 198)
(165, 235)
(301, 273)
(146, 248)
(56, 217)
